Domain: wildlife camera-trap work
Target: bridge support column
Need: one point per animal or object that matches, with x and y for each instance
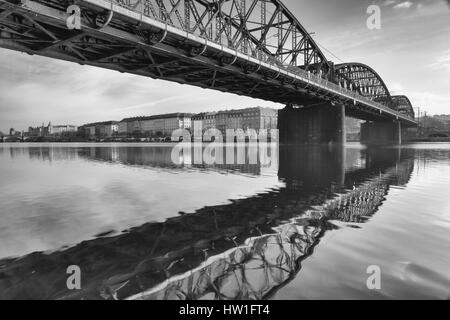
(323, 124)
(382, 132)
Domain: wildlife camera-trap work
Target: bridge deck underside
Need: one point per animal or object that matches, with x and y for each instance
(38, 29)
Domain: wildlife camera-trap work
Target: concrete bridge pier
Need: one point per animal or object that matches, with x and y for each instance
(383, 132)
(312, 125)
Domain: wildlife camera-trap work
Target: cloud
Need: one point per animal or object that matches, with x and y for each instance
(154, 103)
(430, 101)
(442, 62)
(397, 88)
(404, 5)
(387, 3)
(409, 4)
(36, 89)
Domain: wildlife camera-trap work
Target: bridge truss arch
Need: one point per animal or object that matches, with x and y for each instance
(263, 29)
(403, 105)
(364, 80)
(254, 48)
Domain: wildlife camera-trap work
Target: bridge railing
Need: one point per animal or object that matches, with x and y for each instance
(174, 18)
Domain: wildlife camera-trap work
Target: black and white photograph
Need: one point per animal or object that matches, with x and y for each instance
(225, 155)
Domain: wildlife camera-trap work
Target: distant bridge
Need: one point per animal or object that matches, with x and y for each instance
(254, 48)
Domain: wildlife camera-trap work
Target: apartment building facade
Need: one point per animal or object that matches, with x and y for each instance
(51, 130)
(107, 129)
(251, 118)
(155, 126)
(202, 122)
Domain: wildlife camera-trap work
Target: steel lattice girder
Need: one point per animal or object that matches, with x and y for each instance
(130, 42)
(257, 27)
(367, 82)
(403, 105)
(363, 79)
(262, 28)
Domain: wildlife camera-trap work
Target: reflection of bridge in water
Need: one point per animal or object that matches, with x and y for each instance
(243, 250)
(250, 159)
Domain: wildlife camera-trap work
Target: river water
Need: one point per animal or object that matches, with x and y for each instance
(298, 223)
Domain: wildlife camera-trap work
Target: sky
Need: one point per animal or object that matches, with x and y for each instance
(411, 52)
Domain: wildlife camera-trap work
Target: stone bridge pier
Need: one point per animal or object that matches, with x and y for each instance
(324, 124)
(383, 132)
(312, 125)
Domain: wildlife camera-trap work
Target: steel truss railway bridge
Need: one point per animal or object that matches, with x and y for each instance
(254, 48)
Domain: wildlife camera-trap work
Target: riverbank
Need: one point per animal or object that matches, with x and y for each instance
(80, 140)
(443, 139)
(162, 140)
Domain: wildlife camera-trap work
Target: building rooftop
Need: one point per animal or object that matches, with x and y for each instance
(160, 116)
(63, 126)
(100, 123)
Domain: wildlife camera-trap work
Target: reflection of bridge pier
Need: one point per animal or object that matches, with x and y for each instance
(377, 158)
(322, 124)
(312, 166)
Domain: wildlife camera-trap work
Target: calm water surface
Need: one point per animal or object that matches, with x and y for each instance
(304, 225)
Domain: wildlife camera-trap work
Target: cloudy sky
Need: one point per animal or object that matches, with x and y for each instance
(411, 52)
